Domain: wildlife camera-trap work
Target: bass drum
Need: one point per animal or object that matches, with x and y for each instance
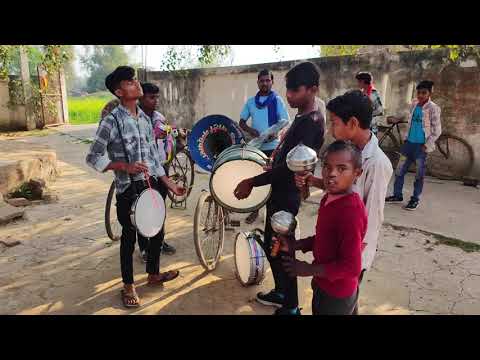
(250, 259)
(237, 163)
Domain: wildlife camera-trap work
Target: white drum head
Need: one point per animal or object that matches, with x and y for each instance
(149, 213)
(243, 258)
(229, 175)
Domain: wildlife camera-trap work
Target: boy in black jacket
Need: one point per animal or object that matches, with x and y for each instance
(307, 128)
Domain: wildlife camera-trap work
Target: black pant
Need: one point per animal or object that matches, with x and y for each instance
(324, 304)
(125, 201)
(284, 284)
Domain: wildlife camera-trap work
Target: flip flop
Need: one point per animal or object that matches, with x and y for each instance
(126, 297)
(164, 277)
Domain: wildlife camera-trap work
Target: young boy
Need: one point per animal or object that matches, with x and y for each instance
(148, 103)
(337, 243)
(350, 117)
(107, 153)
(425, 129)
(308, 127)
(365, 83)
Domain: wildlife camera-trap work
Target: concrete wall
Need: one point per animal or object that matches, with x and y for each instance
(187, 96)
(10, 119)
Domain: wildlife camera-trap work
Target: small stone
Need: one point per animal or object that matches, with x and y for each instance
(19, 202)
(50, 198)
(67, 219)
(398, 246)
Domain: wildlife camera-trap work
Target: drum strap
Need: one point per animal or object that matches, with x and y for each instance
(125, 152)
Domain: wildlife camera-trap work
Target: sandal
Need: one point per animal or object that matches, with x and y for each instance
(130, 300)
(164, 277)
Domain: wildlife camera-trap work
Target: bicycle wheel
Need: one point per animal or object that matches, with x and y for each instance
(389, 144)
(181, 171)
(113, 227)
(452, 158)
(208, 231)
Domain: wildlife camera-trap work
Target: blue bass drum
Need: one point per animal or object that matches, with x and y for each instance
(210, 136)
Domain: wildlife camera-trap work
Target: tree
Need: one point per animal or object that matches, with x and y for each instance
(187, 57)
(99, 61)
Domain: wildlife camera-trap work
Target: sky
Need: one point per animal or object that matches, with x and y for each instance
(242, 54)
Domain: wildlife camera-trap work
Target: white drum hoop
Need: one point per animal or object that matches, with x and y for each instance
(148, 213)
(255, 256)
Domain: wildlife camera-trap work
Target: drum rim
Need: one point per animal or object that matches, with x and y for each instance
(237, 272)
(134, 212)
(229, 208)
(257, 277)
(239, 146)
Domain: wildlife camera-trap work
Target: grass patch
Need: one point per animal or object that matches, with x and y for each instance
(87, 109)
(441, 239)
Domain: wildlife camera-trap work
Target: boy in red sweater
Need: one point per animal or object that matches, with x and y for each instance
(338, 243)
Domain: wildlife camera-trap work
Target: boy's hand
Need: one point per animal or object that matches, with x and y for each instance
(295, 267)
(178, 190)
(135, 168)
(243, 189)
(280, 241)
(303, 180)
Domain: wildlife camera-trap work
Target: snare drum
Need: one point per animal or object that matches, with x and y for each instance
(233, 165)
(148, 213)
(249, 259)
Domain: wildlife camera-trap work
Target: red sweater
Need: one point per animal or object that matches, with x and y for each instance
(337, 244)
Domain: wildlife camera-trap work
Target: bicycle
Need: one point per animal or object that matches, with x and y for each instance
(452, 159)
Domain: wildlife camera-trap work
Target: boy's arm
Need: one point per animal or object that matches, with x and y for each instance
(97, 156)
(309, 137)
(244, 116)
(436, 128)
(305, 245)
(376, 183)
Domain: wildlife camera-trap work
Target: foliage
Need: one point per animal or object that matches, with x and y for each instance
(87, 109)
(456, 53)
(100, 60)
(6, 57)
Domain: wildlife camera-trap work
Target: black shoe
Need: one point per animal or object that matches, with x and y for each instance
(168, 249)
(286, 311)
(273, 298)
(412, 205)
(393, 199)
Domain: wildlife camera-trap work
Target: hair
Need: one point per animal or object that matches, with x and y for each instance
(149, 88)
(352, 103)
(305, 73)
(121, 73)
(425, 84)
(342, 145)
(265, 72)
(364, 76)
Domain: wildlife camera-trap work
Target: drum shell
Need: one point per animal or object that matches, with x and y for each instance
(133, 210)
(238, 152)
(257, 260)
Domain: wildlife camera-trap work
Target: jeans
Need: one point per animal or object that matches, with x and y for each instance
(411, 153)
(125, 201)
(284, 284)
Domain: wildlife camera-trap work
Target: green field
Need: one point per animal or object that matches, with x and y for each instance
(86, 109)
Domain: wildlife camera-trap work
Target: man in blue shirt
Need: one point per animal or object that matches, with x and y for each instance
(265, 109)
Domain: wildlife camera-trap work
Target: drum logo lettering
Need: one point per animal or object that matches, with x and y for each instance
(211, 130)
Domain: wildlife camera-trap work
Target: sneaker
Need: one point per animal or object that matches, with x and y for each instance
(168, 249)
(393, 199)
(143, 256)
(286, 311)
(412, 205)
(272, 298)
